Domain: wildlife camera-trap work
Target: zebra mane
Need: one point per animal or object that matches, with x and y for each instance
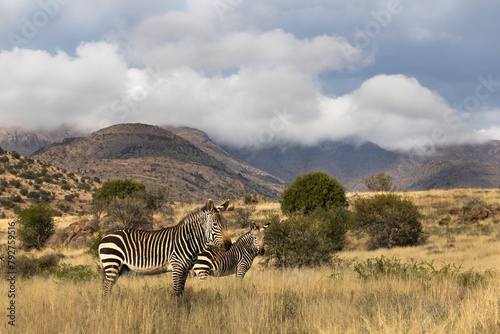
(243, 237)
(193, 216)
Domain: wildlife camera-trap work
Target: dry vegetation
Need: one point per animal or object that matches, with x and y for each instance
(451, 284)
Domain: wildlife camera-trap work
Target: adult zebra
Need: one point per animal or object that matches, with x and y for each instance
(237, 260)
(153, 252)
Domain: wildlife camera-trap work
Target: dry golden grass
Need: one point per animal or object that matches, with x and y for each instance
(331, 299)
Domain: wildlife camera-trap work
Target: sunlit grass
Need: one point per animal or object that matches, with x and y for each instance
(330, 299)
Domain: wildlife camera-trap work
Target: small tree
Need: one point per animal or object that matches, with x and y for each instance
(119, 188)
(390, 220)
(98, 206)
(312, 191)
(36, 225)
(130, 210)
(242, 215)
(157, 198)
(309, 240)
(379, 182)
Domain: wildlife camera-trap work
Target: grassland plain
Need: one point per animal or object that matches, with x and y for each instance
(451, 284)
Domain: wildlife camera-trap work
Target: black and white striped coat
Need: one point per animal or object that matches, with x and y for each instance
(237, 260)
(153, 252)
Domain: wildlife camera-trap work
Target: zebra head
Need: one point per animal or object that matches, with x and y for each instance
(217, 225)
(258, 235)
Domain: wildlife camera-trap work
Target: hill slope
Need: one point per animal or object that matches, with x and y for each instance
(156, 157)
(24, 181)
(459, 166)
(347, 161)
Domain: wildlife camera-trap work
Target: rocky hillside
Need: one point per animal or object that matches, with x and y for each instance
(24, 181)
(155, 157)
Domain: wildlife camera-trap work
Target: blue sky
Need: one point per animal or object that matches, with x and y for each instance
(403, 74)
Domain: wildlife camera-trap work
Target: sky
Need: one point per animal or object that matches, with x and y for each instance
(404, 74)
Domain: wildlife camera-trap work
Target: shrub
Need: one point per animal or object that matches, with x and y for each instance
(36, 225)
(380, 182)
(34, 195)
(69, 197)
(15, 155)
(27, 266)
(15, 183)
(119, 188)
(250, 199)
(74, 273)
(16, 199)
(309, 240)
(24, 191)
(242, 215)
(93, 249)
(129, 210)
(312, 191)
(389, 220)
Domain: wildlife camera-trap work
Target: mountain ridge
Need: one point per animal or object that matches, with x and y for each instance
(154, 156)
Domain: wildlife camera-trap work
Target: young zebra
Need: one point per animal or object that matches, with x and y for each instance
(153, 252)
(237, 260)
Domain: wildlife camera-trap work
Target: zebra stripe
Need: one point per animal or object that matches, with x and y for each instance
(153, 252)
(238, 259)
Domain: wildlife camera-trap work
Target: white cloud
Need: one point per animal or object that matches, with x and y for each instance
(42, 90)
(257, 76)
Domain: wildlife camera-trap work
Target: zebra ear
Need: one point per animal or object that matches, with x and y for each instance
(265, 226)
(253, 226)
(210, 205)
(223, 206)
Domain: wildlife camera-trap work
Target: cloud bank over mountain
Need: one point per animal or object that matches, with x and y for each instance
(253, 74)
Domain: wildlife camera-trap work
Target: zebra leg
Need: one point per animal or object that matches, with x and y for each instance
(203, 274)
(109, 276)
(241, 270)
(179, 274)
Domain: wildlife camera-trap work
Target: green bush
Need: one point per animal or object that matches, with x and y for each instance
(305, 240)
(93, 249)
(312, 191)
(36, 225)
(379, 182)
(390, 220)
(249, 199)
(15, 183)
(131, 211)
(27, 266)
(383, 267)
(242, 215)
(119, 188)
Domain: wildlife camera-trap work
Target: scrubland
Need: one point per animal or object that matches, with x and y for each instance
(450, 284)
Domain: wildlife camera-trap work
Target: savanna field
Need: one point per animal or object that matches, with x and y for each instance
(449, 284)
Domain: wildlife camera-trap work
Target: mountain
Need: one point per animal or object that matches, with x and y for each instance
(348, 161)
(201, 140)
(156, 157)
(196, 167)
(458, 166)
(26, 142)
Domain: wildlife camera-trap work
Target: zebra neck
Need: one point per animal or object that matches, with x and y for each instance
(196, 237)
